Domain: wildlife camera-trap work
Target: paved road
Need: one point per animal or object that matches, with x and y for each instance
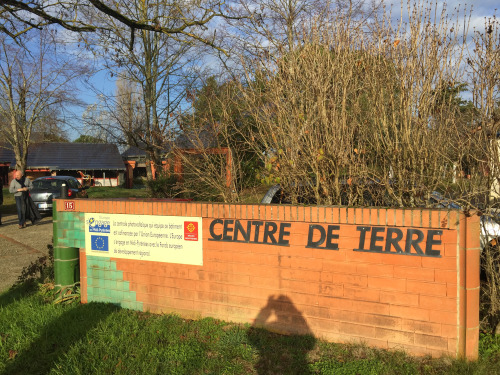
(20, 247)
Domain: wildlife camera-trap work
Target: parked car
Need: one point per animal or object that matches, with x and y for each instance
(490, 227)
(45, 189)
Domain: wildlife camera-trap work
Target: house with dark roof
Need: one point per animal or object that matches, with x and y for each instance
(91, 163)
(188, 142)
(6, 157)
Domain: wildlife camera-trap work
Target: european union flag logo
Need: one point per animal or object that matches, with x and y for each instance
(99, 243)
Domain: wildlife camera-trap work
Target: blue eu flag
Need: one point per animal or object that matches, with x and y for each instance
(99, 243)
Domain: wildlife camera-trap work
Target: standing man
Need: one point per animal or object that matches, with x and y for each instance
(20, 186)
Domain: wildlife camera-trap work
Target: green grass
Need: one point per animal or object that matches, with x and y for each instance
(39, 337)
(116, 192)
(9, 203)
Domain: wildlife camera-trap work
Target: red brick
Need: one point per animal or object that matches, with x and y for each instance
(414, 273)
(435, 219)
(472, 344)
(358, 330)
(438, 303)
(408, 218)
(472, 301)
(453, 345)
(391, 217)
(299, 286)
(449, 330)
(364, 217)
(444, 317)
(336, 214)
(306, 263)
(392, 335)
(445, 263)
(399, 218)
(472, 268)
(383, 258)
(386, 283)
(350, 215)
(429, 341)
(294, 251)
(410, 313)
(424, 288)
(426, 218)
(380, 215)
(300, 275)
(421, 327)
(349, 233)
(452, 290)
(343, 215)
(300, 299)
(417, 218)
(335, 302)
(265, 282)
(328, 255)
(264, 271)
(375, 270)
(454, 219)
(358, 216)
(444, 219)
(372, 307)
(329, 290)
(339, 266)
(288, 214)
(308, 311)
(349, 280)
(362, 294)
(398, 298)
(449, 277)
(382, 321)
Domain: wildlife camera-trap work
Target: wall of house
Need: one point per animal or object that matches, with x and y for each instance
(391, 278)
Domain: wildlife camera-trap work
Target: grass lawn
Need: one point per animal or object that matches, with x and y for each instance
(116, 192)
(9, 204)
(40, 337)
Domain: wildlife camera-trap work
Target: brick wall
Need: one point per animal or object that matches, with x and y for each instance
(405, 279)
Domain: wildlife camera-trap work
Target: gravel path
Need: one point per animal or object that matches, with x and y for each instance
(20, 247)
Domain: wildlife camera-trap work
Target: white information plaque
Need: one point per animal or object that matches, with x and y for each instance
(169, 239)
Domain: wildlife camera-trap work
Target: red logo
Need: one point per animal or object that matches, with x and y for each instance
(191, 231)
(69, 205)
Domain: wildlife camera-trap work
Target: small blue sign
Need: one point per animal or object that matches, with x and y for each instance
(99, 226)
(99, 243)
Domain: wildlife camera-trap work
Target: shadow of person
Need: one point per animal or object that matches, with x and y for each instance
(282, 337)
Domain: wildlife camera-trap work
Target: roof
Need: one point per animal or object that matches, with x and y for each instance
(187, 140)
(6, 153)
(193, 139)
(133, 152)
(73, 156)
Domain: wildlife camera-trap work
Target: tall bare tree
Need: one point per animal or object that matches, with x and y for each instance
(158, 68)
(35, 79)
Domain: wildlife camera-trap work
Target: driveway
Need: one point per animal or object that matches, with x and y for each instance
(20, 247)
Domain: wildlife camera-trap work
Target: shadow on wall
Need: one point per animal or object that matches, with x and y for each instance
(282, 337)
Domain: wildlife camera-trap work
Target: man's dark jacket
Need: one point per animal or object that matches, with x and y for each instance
(31, 210)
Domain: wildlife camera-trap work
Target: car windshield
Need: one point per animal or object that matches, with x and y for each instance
(48, 184)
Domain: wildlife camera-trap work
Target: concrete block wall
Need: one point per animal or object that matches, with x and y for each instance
(391, 278)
